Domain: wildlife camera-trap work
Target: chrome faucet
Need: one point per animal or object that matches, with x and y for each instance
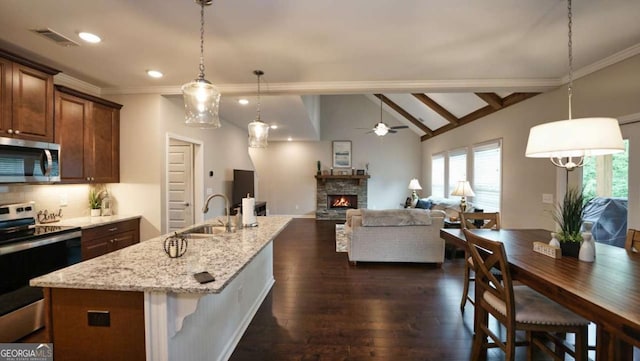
(205, 209)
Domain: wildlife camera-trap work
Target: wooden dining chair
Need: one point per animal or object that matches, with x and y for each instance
(518, 308)
(474, 220)
(632, 244)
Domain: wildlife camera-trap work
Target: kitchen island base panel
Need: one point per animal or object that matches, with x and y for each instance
(73, 337)
(183, 326)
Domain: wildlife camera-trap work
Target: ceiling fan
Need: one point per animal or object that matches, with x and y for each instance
(381, 128)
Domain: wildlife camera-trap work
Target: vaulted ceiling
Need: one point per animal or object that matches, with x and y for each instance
(443, 63)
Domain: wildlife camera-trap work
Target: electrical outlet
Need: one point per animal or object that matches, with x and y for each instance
(64, 199)
(547, 198)
(209, 191)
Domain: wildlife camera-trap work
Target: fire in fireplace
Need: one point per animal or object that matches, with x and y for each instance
(342, 201)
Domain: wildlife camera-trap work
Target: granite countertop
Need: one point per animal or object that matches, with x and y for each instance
(145, 266)
(89, 222)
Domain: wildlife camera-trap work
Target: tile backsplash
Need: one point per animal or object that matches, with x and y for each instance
(71, 199)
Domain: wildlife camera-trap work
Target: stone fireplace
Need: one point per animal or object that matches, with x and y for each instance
(337, 193)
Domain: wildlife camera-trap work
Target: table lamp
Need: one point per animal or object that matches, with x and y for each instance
(414, 186)
(463, 189)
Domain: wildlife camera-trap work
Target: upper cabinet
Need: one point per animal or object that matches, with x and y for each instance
(26, 99)
(88, 131)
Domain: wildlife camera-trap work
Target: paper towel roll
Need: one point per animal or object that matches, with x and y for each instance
(248, 211)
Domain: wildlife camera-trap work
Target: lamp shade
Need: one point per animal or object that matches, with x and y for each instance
(463, 189)
(201, 104)
(575, 138)
(414, 184)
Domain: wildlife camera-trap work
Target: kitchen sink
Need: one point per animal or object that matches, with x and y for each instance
(205, 230)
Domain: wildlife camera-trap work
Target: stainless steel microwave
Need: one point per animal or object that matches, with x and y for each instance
(24, 161)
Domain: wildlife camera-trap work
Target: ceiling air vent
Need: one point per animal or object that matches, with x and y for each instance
(55, 37)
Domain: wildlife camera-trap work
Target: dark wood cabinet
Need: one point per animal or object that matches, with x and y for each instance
(111, 237)
(26, 99)
(88, 131)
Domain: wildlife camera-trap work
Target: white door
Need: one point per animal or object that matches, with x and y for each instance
(180, 173)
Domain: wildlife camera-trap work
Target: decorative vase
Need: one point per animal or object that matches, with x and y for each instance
(588, 248)
(95, 212)
(554, 241)
(570, 249)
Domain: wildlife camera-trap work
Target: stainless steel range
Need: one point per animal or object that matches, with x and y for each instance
(27, 251)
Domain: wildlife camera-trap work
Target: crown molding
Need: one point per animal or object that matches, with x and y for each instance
(601, 64)
(629, 118)
(77, 84)
(472, 85)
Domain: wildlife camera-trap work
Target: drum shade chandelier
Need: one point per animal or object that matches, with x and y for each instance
(201, 98)
(258, 130)
(567, 142)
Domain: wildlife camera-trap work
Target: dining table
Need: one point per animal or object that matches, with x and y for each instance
(606, 291)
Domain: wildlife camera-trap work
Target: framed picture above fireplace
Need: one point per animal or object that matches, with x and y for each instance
(341, 153)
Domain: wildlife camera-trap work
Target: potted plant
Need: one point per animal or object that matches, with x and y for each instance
(95, 202)
(568, 217)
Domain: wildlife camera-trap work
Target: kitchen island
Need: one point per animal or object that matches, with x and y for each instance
(105, 308)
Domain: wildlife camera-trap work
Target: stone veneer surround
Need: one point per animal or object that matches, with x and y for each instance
(338, 185)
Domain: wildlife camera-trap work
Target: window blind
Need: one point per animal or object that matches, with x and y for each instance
(437, 175)
(487, 163)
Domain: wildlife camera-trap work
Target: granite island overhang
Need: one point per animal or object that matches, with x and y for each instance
(183, 319)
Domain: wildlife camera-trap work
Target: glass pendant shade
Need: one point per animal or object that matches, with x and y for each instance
(258, 130)
(258, 134)
(201, 104)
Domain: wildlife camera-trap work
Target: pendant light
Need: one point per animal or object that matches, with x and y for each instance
(567, 142)
(201, 98)
(258, 130)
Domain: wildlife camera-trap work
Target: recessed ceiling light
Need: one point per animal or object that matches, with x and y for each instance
(289, 139)
(274, 126)
(243, 101)
(89, 38)
(154, 73)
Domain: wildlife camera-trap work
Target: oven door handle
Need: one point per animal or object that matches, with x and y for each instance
(46, 162)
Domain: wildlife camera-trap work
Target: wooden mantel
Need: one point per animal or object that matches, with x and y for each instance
(359, 178)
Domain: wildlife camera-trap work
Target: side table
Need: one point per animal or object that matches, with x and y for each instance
(451, 251)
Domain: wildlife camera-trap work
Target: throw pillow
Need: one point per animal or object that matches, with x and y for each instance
(423, 204)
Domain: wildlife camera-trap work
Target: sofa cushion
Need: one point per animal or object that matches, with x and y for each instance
(423, 204)
(395, 217)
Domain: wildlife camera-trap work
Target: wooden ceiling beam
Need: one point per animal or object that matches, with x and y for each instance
(482, 112)
(436, 107)
(405, 114)
(492, 99)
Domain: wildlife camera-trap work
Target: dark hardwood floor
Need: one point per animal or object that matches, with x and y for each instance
(323, 308)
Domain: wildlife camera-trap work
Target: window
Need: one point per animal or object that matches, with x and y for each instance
(486, 176)
(483, 170)
(607, 175)
(457, 168)
(437, 175)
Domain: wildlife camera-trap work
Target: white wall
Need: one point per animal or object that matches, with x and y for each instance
(145, 121)
(613, 91)
(286, 169)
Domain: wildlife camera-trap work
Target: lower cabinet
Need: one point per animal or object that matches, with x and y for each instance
(96, 325)
(100, 240)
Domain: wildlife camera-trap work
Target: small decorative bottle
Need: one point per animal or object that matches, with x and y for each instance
(554, 241)
(105, 205)
(588, 248)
